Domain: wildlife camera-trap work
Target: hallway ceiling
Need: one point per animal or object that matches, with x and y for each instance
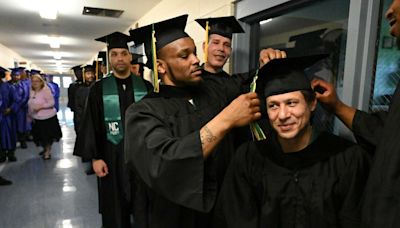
(25, 32)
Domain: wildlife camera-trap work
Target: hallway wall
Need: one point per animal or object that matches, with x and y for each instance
(196, 9)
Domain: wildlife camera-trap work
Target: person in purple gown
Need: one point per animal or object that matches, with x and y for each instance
(8, 139)
(55, 90)
(20, 84)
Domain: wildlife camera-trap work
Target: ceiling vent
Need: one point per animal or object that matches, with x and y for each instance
(101, 12)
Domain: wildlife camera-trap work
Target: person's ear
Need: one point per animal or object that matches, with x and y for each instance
(130, 57)
(313, 105)
(161, 66)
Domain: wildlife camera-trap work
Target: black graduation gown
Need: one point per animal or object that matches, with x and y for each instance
(379, 133)
(71, 94)
(81, 94)
(163, 146)
(319, 186)
(114, 189)
(236, 136)
(73, 87)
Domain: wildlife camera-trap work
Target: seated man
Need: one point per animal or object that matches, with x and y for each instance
(298, 176)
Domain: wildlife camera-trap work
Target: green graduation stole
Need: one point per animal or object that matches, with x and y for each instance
(112, 116)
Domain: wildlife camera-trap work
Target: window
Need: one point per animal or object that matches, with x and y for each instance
(56, 79)
(66, 81)
(311, 28)
(387, 65)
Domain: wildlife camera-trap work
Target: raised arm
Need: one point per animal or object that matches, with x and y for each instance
(328, 98)
(170, 153)
(240, 112)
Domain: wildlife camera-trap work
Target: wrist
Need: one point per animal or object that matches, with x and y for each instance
(225, 123)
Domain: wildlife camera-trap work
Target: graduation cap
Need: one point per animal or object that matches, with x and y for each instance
(156, 36)
(3, 72)
(15, 71)
(89, 68)
(135, 58)
(77, 72)
(77, 67)
(115, 40)
(286, 75)
(103, 56)
(223, 26)
(33, 71)
(2, 69)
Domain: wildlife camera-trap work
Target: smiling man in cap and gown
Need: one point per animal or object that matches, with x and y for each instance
(298, 176)
(102, 131)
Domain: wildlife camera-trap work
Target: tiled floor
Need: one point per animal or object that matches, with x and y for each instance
(53, 193)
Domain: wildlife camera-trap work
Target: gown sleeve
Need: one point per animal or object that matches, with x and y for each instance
(171, 166)
(351, 185)
(17, 98)
(79, 103)
(71, 96)
(87, 144)
(367, 128)
(237, 205)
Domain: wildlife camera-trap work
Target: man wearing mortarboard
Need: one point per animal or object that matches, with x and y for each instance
(21, 86)
(218, 43)
(73, 87)
(23, 126)
(172, 135)
(3, 181)
(82, 93)
(8, 110)
(101, 130)
(217, 50)
(298, 176)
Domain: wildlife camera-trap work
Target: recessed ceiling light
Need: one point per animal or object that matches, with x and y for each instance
(48, 9)
(265, 21)
(57, 55)
(54, 41)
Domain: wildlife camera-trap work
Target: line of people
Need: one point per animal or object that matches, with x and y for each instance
(167, 154)
(17, 117)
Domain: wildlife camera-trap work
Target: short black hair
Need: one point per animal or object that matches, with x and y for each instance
(309, 95)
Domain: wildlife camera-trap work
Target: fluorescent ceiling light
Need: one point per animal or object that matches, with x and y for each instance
(265, 21)
(57, 55)
(48, 9)
(54, 41)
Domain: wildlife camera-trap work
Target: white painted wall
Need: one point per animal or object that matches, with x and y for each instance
(8, 57)
(196, 9)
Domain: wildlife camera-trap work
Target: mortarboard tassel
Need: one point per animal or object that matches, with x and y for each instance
(97, 69)
(83, 74)
(206, 43)
(256, 130)
(154, 56)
